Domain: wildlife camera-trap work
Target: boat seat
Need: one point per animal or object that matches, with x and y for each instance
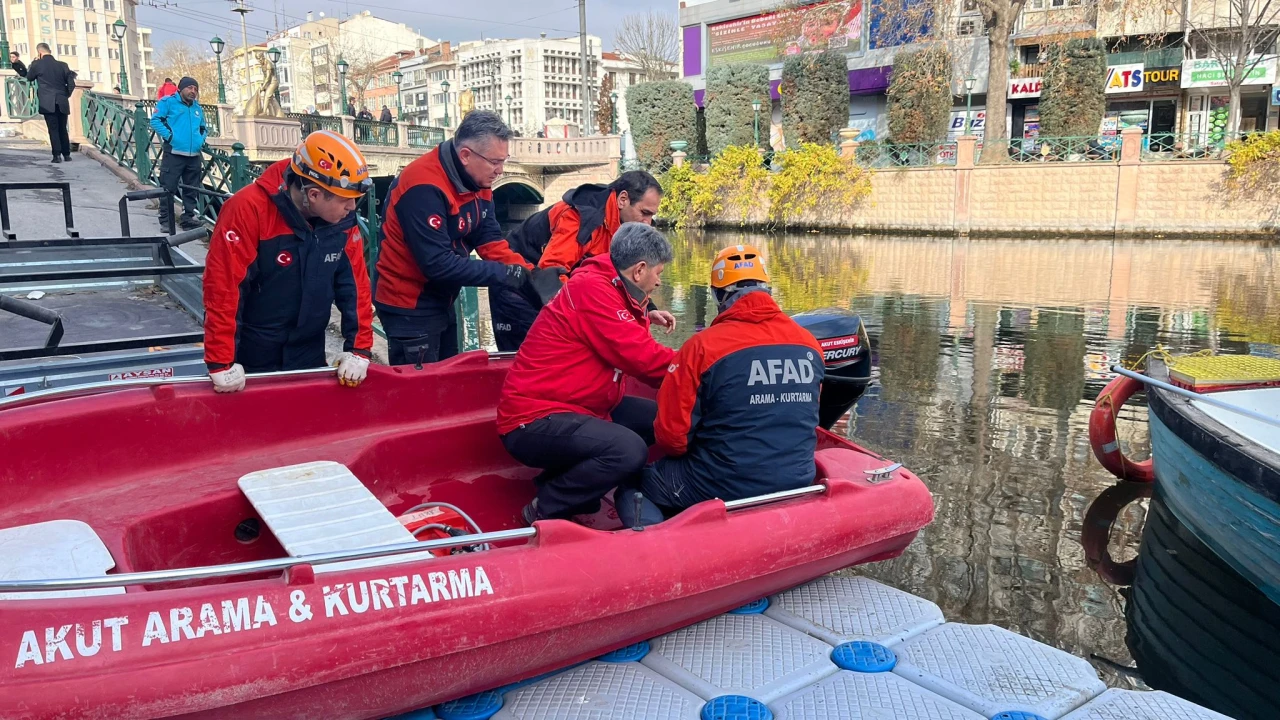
(321, 507)
(51, 550)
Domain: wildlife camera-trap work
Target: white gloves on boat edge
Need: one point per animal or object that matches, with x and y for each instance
(352, 369)
(229, 379)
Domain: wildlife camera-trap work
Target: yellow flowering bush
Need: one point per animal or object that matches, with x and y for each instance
(1254, 162)
(814, 178)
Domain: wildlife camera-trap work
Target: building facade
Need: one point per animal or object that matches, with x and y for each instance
(423, 94)
(146, 64)
(79, 33)
(541, 76)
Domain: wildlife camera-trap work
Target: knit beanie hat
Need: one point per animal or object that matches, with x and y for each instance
(186, 82)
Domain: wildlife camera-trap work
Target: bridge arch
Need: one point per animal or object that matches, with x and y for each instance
(516, 198)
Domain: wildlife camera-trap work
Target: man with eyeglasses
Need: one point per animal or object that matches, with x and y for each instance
(439, 209)
(285, 250)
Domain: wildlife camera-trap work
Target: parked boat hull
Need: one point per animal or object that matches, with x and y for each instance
(1202, 616)
(375, 641)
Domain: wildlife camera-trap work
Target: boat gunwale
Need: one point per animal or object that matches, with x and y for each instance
(1248, 462)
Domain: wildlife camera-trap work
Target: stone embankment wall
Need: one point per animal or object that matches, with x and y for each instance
(1131, 197)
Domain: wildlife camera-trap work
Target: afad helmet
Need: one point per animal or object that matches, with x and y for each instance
(737, 263)
(332, 162)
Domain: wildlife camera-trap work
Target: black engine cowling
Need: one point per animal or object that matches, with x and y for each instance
(846, 354)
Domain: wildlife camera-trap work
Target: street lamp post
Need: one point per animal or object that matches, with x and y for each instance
(273, 54)
(396, 77)
(755, 105)
(342, 82)
(118, 31)
(445, 85)
(217, 44)
(968, 104)
(4, 42)
(613, 113)
(508, 99)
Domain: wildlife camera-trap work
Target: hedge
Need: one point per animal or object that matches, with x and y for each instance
(660, 112)
(920, 95)
(815, 97)
(729, 114)
(1072, 98)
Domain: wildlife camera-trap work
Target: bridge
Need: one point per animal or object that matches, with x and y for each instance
(539, 171)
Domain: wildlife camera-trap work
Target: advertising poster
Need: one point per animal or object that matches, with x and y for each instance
(767, 38)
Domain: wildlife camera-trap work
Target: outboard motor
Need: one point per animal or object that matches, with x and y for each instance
(846, 354)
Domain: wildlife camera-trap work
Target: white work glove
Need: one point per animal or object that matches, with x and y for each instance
(352, 369)
(228, 380)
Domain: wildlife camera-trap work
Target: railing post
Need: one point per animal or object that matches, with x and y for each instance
(848, 143)
(239, 167)
(142, 143)
(402, 134)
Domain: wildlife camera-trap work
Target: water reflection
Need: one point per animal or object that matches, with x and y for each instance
(990, 353)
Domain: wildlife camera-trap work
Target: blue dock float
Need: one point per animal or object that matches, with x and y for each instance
(845, 648)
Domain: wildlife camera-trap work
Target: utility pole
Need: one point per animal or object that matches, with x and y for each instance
(244, 34)
(582, 48)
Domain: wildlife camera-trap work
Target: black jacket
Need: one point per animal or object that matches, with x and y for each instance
(20, 68)
(56, 81)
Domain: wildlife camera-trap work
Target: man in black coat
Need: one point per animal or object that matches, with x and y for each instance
(16, 61)
(56, 81)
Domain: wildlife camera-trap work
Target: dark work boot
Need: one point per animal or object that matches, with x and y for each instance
(66, 158)
(530, 513)
(56, 159)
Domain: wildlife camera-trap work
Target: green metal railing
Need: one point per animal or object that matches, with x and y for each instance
(20, 98)
(1160, 147)
(890, 155)
(1066, 149)
(310, 123)
(425, 137)
(212, 118)
(372, 132)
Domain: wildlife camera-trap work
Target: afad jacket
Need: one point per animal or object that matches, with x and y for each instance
(580, 351)
(738, 409)
(580, 226)
(431, 223)
(180, 125)
(270, 279)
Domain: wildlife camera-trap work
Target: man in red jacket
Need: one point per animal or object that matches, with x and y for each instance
(285, 250)
(560, 237)
(439, 209)
(562, 408)
(738, 410)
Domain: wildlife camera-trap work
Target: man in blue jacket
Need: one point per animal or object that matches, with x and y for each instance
(179, 121)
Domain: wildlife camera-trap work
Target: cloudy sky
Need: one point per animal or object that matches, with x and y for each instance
(198, 20)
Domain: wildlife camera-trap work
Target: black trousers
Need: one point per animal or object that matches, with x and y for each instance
(584, 457)
(180, 175)
(513, 315)
(56, 122)
(420, 339)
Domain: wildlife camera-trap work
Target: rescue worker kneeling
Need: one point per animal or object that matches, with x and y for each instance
(563, 408)
(284, 251)
(738, 409)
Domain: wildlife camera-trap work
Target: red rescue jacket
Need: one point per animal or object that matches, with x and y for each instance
(580, 351)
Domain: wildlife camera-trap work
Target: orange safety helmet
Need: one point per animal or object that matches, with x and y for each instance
(332, 162)
(737, 263)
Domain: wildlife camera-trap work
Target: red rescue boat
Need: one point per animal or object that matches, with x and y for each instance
(196, 590)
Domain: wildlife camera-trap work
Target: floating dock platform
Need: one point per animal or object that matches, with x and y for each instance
(846, 648)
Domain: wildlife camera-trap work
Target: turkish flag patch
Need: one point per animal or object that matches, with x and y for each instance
(284, 259)
(436, 222)
(325, 164)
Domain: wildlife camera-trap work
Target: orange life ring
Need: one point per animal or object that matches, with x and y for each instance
(1102, 432)
(1099, 519)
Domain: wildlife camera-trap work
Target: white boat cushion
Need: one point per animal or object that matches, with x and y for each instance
(53, 550)
(321, 507)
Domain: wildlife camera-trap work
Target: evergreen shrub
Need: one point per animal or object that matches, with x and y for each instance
(815, 97)
(1073, 99)
(729, 115)
(660, 112)
(920, 95)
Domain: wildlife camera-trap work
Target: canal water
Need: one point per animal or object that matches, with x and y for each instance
(989, 355)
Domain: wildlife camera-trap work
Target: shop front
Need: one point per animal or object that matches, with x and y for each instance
(1024, 113)
(1209, 100)
(1142, 97)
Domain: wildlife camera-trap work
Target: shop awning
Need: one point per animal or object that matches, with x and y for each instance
(1053, 32)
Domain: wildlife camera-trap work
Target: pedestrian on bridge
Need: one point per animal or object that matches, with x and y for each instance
(55, 83)
(179, 121)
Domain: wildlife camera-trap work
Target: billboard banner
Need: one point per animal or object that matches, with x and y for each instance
(767, 38)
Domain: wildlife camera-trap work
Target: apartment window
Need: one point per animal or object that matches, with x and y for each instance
(108, 5)
(64, 3)
(93, 52)
(88, 5)
(91, 28)
(18, 23)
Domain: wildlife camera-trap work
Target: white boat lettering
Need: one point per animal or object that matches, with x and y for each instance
(68, 641)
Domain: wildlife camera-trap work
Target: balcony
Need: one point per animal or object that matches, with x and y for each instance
(1163, 57)
(1028, 70)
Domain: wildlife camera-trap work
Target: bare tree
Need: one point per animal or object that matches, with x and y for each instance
(652, 39)
(363, 66)
(178, 59)
(1236, 35)
(604, 107)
